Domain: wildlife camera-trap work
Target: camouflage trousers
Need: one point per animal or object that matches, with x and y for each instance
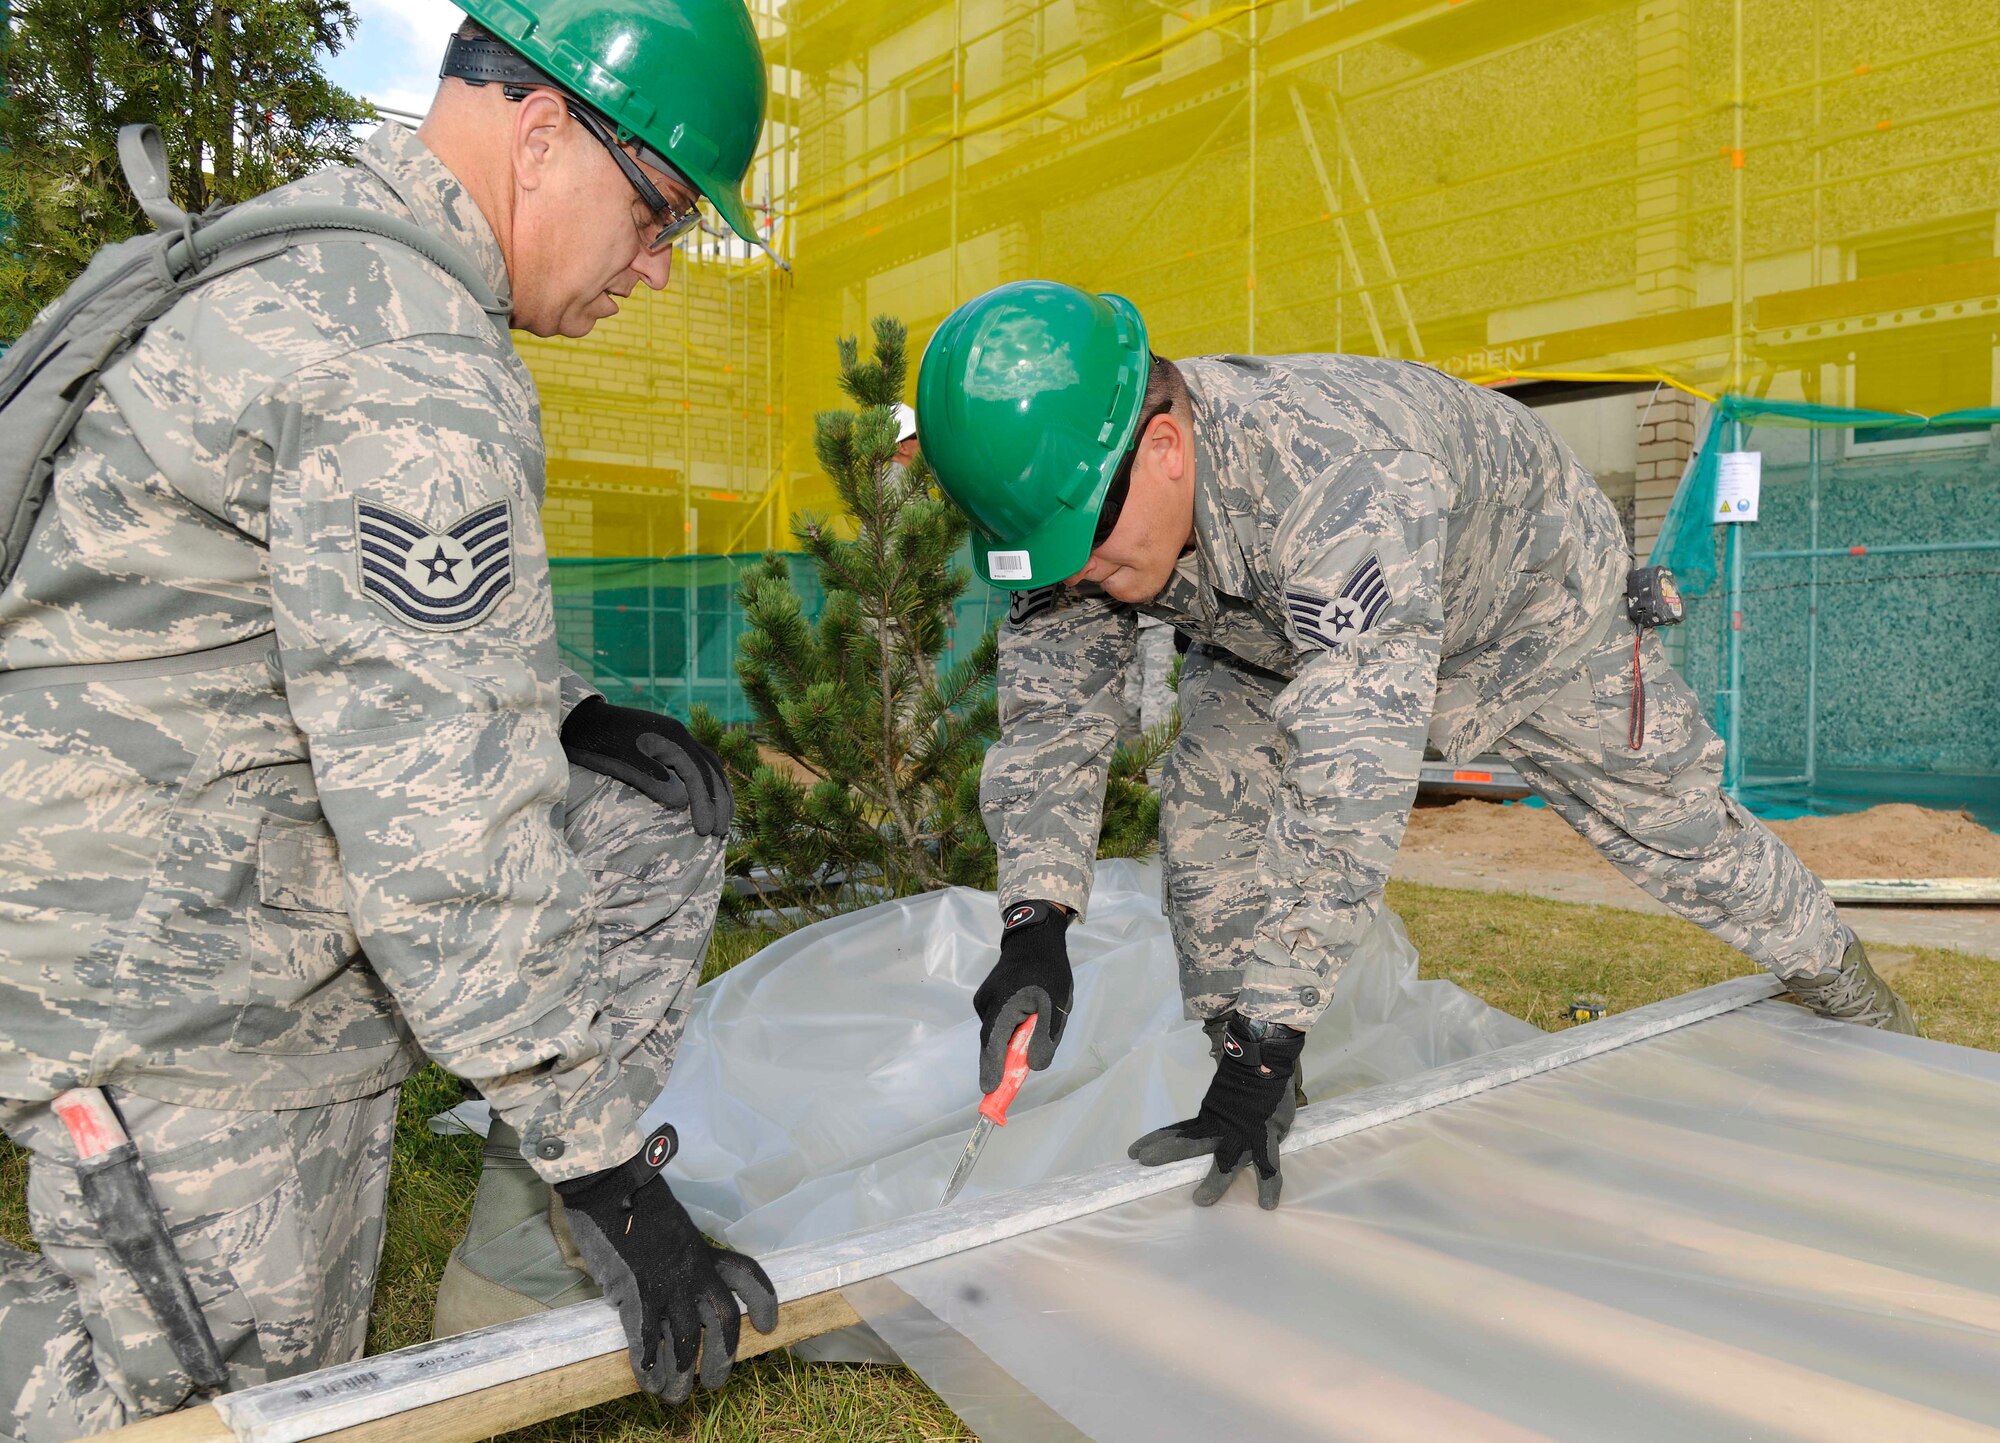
(654, 921)
(1657, 812)
(278, 1215)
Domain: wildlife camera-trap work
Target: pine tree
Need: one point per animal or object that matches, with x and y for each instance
(860, 772)
(884, 737)
(1131, 825)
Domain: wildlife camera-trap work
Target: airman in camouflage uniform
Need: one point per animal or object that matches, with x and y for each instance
(1380, 556)
(283, 755)
(1383, 556)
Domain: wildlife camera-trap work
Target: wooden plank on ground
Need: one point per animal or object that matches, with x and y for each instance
(507, 1366)
(515, 1403)
(1916, 891)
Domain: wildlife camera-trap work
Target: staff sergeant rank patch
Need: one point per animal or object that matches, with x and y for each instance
(1328, 623)
(439, 580)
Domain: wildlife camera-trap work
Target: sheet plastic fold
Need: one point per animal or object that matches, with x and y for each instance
(830, 1081)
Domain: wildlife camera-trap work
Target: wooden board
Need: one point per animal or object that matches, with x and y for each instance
(534, 1368)
(1917, 892)
(512, 1404)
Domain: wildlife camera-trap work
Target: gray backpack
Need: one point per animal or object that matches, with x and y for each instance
(51, 373)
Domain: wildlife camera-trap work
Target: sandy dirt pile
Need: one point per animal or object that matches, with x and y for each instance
(1896, 840)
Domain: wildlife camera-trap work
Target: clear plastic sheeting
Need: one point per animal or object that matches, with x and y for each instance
(1763, 1226)
(830, 1082)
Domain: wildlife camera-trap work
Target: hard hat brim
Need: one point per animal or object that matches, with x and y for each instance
(730, 205)
(1055, 552)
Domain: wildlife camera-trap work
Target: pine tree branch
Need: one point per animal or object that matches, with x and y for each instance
(859, 698)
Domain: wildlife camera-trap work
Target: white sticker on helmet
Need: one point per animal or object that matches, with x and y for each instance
(1009, 565)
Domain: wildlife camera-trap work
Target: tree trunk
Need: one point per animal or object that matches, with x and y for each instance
(221, 45)
(197, 184)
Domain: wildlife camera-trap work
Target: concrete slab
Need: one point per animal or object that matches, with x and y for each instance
(1967, 929)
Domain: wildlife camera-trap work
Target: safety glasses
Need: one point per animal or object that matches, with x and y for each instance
(1114, 497)
(672, 221)
(1121, 479)
(669, 222)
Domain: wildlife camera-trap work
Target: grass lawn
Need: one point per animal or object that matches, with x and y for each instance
(1522, 954)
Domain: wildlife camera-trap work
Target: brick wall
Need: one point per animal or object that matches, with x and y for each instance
(1664, 97)
(677, 393)
(1666, 422)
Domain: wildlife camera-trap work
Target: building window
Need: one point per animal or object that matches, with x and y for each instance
(927, 118)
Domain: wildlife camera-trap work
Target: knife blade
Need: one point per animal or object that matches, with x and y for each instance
(993, 1111)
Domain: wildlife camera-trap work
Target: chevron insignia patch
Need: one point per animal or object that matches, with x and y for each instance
(439, 580)
(1359, 605)
(1025, 606)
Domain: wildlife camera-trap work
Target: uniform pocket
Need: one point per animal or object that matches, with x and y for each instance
(313, 991)
(1679, 754)
(298, 869)
(130, 1349)
(236, 1212)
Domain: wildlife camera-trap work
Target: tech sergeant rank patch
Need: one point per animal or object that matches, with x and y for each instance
(1327, 624)
(437, 580)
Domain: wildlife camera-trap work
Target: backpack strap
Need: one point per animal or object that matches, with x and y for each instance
(51, 372)
(143, 156)
(237, 227)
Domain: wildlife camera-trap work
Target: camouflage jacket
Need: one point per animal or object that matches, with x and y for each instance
(1419, 557)
(279, 707)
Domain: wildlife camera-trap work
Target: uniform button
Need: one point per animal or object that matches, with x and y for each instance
(1309, 996)
(549, 1149)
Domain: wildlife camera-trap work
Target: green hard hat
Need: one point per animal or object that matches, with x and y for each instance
(1027, 399)
(685, 78)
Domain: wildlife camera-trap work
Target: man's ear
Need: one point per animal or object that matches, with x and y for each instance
(539, 123)
(1168, 439)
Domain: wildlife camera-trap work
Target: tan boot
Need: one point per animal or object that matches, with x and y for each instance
(516, 1257)
(1855, 992)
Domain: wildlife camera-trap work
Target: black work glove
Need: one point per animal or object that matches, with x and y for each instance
(656, 755)
(673, 1289)
(1032, 976)
(1245, 1115)
(1217, 1028)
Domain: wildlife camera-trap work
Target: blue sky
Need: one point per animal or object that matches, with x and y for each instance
(393, 58)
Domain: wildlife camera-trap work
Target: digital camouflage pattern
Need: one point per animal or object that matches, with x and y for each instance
(277, 1217)
(278, 684)
(655, 884)
(340, 735)
(1217, 786)
(278, 1214)
(1659, 814)
(1383, 556)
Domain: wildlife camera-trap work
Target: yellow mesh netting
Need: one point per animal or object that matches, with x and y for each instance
(1790, 198)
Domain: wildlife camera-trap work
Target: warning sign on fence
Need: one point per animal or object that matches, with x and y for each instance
(1738, 474)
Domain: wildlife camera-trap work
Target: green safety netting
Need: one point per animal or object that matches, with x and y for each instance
(662, 632)
(1847, 641)
(1687, 539)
